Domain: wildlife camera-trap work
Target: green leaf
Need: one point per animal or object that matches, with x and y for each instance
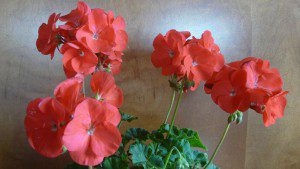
(114, 162)
(155, 161)
(137, 134)
(143, 155)
(181, 163)
(127, 117)
(184, 133)
(139, 153)
(193, 137)
(213, 166)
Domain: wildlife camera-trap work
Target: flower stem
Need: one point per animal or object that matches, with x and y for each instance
(176, 109)
(171, 106)
(169, 155)
(218, 147)
(90, 167)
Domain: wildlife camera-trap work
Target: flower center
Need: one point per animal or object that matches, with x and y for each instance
(99, 97)
(81, 53)
(54, 128)
(95, 36)
(252, 104)
(171, 53)
(195, 63)
(91, 130)
(232, 93)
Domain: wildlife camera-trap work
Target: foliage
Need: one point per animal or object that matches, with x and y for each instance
(149, 150)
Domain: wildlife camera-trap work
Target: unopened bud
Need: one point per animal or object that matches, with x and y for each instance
(239, 117)
(231, 118)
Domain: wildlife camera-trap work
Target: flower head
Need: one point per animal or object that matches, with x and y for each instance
(78, 58)
(194, 59)
(97, 35)
(274, 108)
(45, 124)
(93, 133)
(75, 19)
(48, 38)
(103, 85)
(168, 50)
(248, 83)
(69, 94)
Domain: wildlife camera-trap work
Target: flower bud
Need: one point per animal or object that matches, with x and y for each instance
(239, 117)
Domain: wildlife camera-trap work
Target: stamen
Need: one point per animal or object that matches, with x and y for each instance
(91, 130)
(95, 36)
(232, 93)
(81, 53)
(54, 128)
(171, 53)
(195, 63)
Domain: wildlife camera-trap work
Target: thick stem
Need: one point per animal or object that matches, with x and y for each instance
(171, 106)
(90, 167)
(176, 109)
(218, 147)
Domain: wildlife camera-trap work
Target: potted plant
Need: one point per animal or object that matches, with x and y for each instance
(92, 42)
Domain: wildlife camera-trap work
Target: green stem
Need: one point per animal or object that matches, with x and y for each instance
(171, 106)
(218, 147)
(90, 167)
(169, 155)
(176, 109)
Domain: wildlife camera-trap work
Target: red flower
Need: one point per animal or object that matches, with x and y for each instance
(97, 35)
(75, 19)
(230, 93)
(274, 108)
(69, 71)
(222, 75)
(260, 75)
(69, 94)
(44, 123)
(103, 84)
(113, 65)
(206, 58)
(195, 59)
(121, 37)
(249, 83)
(168, 50)
(78, 59)
(109, 65)
(48, 38)
(93, 133)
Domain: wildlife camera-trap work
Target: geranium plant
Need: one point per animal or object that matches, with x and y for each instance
(92, 42)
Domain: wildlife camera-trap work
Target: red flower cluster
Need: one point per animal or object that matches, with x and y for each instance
(240, 85)
(92, 43)
(194, 59)
(249, 83)
(90, 39)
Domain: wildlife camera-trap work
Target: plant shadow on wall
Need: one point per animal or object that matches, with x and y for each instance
(92, 42)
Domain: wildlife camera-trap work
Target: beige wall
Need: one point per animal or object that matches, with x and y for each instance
(268, 29)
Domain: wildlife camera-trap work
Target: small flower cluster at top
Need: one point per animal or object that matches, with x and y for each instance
(92, 43)
(189, 61)
(235, 86)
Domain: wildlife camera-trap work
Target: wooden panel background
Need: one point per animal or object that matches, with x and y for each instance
(265, 28)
